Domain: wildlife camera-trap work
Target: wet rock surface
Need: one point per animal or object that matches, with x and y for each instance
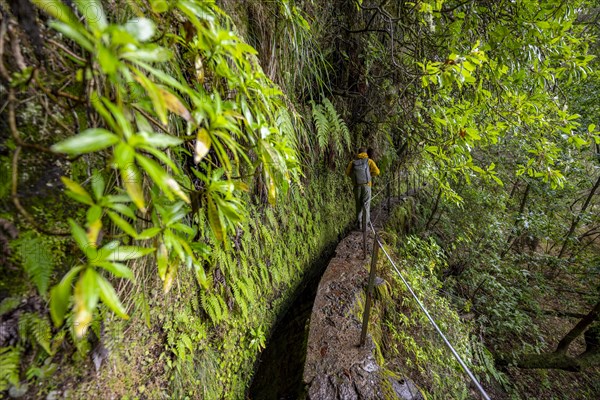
(336, 366)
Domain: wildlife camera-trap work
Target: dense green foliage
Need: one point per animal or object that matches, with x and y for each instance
(170, 170)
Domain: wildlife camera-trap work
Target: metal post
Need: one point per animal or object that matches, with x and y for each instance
(389, 196)
(364, 229)
(365, 323)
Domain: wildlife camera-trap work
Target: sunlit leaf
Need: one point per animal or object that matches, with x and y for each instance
(132, 180)
(175, 105)
(76, 191)
(60, 295)
(86, 298)
(109, 297)
(162, 260)
(141, 28)
(124, 253)
(170, 277)
(121, 223)
(90, 140)
(215, 220)
(117, 269)
(202, 147)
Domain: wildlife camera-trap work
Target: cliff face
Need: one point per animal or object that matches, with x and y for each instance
(151, 250)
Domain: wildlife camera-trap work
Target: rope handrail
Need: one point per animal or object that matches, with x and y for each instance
(431, 320)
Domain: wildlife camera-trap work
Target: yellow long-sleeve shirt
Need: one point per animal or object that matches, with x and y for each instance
(372, 166)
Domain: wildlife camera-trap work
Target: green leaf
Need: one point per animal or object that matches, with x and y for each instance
(591, 127)
(56, 9)
(141, 28)
(89, 285)
(90, 140)
(149, 233)
(86, 298)
(162, 260)
(123, 209)
(98, 185)
(59, 296)
(77, 192)
(124, 154)
(155, 139)
(109, 63)
(201, 277)
(94, 13)
(117, 269)
(110, 297)
(153, 54)
(80, 236)
(203, 143)
(123, 253)
(124, 225)
(161, 178)
(132, 180)
(79, 36)
(215, 220)
(159, 6)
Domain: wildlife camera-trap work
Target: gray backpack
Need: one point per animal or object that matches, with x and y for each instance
(361, 171)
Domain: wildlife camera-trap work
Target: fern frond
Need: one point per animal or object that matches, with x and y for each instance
(35, 329)
(10, 358)
(322, 125)
(9, 304)
(37, 261)
(339, 132)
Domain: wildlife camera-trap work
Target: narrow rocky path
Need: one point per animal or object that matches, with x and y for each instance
(336, 367)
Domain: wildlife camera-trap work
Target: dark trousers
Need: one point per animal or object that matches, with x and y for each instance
(362, 200)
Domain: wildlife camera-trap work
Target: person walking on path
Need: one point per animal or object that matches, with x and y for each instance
(361, 169)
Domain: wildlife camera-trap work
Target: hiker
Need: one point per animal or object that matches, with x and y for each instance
(360, 170)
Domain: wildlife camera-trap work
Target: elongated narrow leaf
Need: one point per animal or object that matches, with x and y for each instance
(132, 180)
(123, 253)
(92, 236)
(161, 178)
(56, 9)
(124, 225)
(203, 143)
(98, 185)
(158, 101)
(59, 296)
(86, 298)
(110, 297)
(215, 221)
(162, 260)
(149, 233)
(117, 269)
(79, 235)
(201, 277)
(175, 105)
(90, 140)
(155, 140)
(170, 277)
(79, 36)
(123, 209)
(94, 13)
(76, 191)
(124, 154)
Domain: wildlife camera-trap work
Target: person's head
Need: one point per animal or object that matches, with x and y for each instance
(370, 152)
(362, 150)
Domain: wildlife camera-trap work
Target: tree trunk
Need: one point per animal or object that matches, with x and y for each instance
(559, 358)
(581, 326)
(578, 218)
